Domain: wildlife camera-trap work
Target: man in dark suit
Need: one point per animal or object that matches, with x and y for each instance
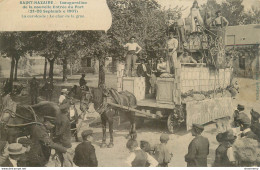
(34, 90)
(198, 148)
(42, 144)
(144, 70)
(85, 155)
(15, 151)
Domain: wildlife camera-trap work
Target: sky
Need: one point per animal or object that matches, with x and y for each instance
(188, 3)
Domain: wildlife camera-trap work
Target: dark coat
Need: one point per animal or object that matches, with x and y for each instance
(7, 163)
(41, 146)
(82, 81)
(34, 87)
(197, 152)
(140, 71)
(221, 158)
(63, 134)
(85, 155)
(48, 87)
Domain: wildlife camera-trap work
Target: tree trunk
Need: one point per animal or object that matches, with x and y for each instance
(101, 81)
(65, 63)
(45, 69)
(16, 67)
(12, 74)
(51, 69)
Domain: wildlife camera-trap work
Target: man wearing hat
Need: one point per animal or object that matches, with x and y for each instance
(48, 89)
(15, 151)
(63, 133)
(34, 90)
(42, 144)
(221, 155)
(198, 148)
(82, 81)
(239, 114)
(144, 70)
(85, 154)
(64, 93)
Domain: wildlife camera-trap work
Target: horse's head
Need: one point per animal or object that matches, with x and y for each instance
(85, 100)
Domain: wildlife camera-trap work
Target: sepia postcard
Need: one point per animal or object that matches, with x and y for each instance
(130, 83)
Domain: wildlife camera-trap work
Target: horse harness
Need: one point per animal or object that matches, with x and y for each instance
(14, 115)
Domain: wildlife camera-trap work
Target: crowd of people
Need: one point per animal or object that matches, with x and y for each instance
(41, 147)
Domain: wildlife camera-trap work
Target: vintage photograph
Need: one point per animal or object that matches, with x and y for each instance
(172, 83)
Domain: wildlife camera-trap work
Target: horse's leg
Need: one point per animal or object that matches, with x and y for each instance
(104, 122)
(132, 132)
(110, 123)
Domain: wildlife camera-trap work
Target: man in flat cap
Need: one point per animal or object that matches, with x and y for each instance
(221, 155)
(85, 154)
(238, 114)
(41, 146)
(198, 148)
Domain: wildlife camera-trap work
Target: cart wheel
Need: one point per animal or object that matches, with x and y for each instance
(172, 124)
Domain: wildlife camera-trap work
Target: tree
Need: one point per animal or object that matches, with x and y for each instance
(13, 45)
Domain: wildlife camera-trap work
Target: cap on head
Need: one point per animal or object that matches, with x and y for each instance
(219, 137)
(240, 107)
(229, 136)
(86, 133)
(218, 11)
(25, 141)
(133, 37)
(198, 128)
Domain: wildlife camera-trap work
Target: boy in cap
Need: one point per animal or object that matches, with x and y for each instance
(198, 148)
(15, 151)
(161, 152)
(239, 113)
(85, 155)
(138, 157)
(222, 158)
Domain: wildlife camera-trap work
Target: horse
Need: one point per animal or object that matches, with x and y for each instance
(17, 123)
(100, 98)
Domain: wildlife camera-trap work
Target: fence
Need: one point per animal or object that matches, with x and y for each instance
(203, 79)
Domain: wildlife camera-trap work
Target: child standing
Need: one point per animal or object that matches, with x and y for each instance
(161, 152)
(85, 154)
(138, 157)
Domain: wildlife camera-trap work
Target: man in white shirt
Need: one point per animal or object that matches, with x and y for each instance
(62, 97)
(161, 66)
(172, 45)
(132, 50)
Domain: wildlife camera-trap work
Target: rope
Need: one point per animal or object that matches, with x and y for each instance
(25, 124)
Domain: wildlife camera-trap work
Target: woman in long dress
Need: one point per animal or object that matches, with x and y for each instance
(196, 18)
